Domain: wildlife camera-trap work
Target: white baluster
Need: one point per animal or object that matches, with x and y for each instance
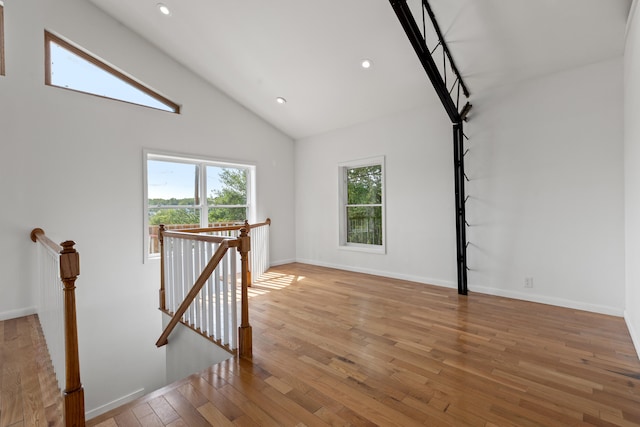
(234, 300)
(211, 297)
(218, 311)
(196, 273)
(225, 299)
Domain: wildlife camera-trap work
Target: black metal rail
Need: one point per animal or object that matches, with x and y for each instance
(457, 115)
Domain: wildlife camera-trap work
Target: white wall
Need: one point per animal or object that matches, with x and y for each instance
(546, 192)
(420, 227)
(72, 164)
(632, 173)
(546, 169)
(189, 352)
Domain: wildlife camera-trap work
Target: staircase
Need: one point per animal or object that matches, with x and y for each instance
(29, 394)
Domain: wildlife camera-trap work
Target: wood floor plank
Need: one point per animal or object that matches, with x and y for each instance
(188, 414)
(222, 404)
(163, 410)
(253, 411)
(12, 403)
(127, 419)
(214, 416)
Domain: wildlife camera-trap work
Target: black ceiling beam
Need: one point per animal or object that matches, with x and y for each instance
(436, 27)
(417, 41)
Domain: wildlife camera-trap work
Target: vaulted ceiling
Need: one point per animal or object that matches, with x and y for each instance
(310, 52)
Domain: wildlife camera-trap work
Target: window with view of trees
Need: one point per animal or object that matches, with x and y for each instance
(191, 193)
(362, 211)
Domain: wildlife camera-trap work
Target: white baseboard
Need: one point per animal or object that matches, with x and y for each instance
(635, 338)
(114, 404)
(560, 302)
(543, 299)
(21, 312)
(418, 279)
(281, 262)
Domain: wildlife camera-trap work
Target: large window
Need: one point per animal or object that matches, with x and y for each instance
(185, 192)
(70, 67)
(362, 205)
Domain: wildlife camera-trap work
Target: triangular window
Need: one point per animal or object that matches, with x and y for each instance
(71, 68)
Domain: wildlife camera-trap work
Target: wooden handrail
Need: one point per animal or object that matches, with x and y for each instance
(74, 415)
(37, 234)
(191, 236)
(226, 227)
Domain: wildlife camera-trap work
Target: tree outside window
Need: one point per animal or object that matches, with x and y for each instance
(362, 216)
(184, 193)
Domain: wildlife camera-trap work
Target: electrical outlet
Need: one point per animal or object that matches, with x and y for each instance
(528, 282)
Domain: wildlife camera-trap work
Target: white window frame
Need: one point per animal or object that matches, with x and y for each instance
(343, 203)
(203, 206)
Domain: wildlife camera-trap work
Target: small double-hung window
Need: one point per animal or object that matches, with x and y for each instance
(183, 192)
(362, 223)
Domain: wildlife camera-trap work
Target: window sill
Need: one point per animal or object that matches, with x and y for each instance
(382, 250)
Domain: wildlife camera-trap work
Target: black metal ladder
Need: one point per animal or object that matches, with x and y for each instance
(438, 79)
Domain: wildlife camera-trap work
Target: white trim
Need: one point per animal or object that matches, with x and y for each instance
(281, 262)
(360, 247)
(542, 299)
(21, 312)
(114, 404)
(342, 203)
(635, 338)
(418, 279)
(161, 155)
(559, 302)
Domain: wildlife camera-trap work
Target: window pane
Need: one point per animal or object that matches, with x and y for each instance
(187, 216)
(364, 185)
(364, 225)
(226, 186)
(171, 184)
(174, 219)
(71, 71)
(218, 216)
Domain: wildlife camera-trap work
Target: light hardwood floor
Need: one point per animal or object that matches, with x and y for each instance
(29, 395)
(338, 348)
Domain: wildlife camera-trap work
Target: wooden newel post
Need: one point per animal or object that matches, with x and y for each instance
(161, 240)
(244, 332)
(249, 280)
(73, 392)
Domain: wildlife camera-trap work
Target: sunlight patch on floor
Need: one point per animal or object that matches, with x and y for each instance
(271, 281)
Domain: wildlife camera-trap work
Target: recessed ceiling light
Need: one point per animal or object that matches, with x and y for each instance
(164, 9)
(366, 63)
(281, 100)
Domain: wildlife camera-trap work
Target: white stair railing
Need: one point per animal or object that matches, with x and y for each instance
(259, 255)
(213, 311)
(58, 269)
(199, 284)
(51, 307)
